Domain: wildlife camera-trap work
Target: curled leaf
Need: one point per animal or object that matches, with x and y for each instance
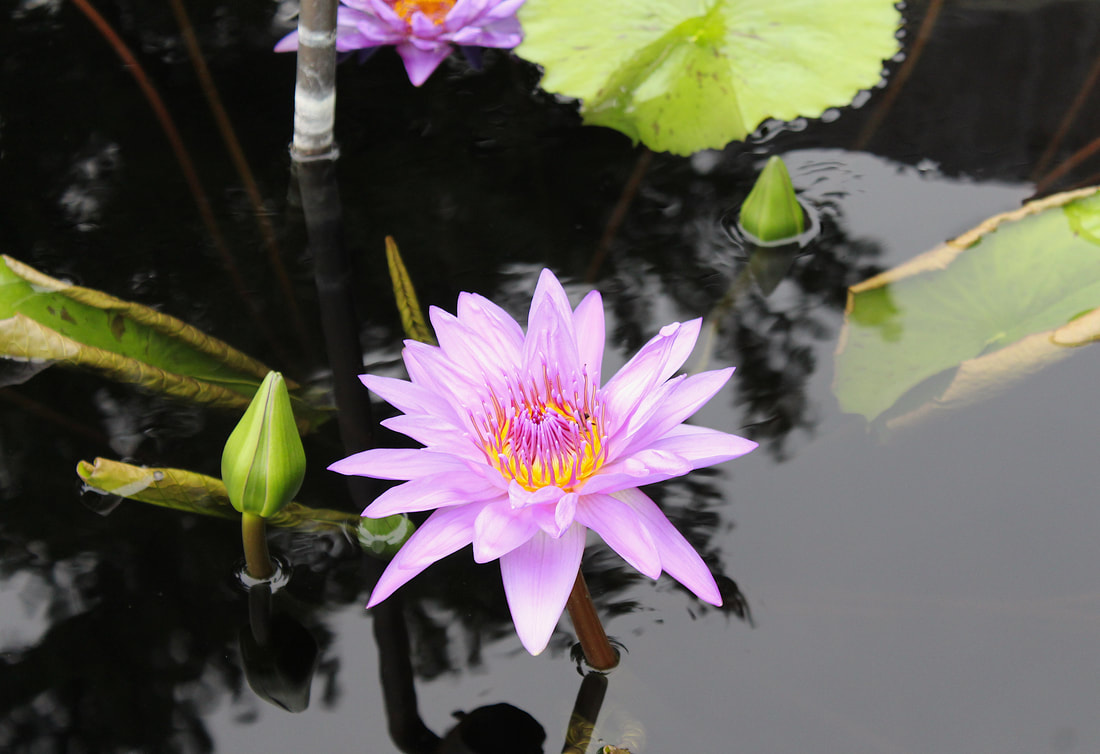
(412, 316)
(45, 321)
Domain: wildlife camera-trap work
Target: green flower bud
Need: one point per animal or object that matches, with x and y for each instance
(771, 212)
(263, 463)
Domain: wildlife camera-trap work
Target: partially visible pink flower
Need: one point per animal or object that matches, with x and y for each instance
(524, 450)
(422, 30)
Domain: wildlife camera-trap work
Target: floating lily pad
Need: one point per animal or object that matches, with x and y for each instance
(46, 321)
(697, 74)
(976, 314)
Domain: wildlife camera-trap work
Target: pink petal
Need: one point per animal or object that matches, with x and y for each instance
(538, 577)
(356, 30)
(397, 463)
(446, 531)
(701, 446)
(382, 10)
(588, 322)
(524, 498)
(427, 492)
(485, 317)
(405, 396)
(423, 27)
(507, 36)
(619, 525)
(420, 63)
(462, 13)
(565, 512)
(499, 529)
(503, 9)
(474, 349)
(651, 366)
(450, 382)
(678, 558)
(441, 436)
(289, 43)
(551, 339)
(682, 401)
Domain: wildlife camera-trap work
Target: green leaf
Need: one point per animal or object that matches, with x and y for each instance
(190, 492)
(49, 321)
(697, 74)
(412, 316)
(974, 315)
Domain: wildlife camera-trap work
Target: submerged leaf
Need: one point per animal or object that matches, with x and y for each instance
(974, 315)
(190, 492)
(45, 321)
(412, 316)
(696, 74)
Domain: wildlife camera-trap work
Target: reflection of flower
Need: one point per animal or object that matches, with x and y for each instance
(525, 450)
(422, 30)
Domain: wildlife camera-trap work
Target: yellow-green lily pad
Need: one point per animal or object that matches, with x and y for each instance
(976, 314)
(687, 75)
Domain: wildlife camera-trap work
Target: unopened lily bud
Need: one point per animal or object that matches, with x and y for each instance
(263, 463)
(772, 212)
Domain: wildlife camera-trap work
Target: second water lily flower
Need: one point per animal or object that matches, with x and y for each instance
(526, 449)
(422, 30)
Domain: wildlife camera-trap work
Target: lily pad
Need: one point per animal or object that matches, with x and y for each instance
(697, 74)
(976, 314)
(46, 321)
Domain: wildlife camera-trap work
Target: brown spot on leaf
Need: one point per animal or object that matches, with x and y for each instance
(66, 316)
(118, 326)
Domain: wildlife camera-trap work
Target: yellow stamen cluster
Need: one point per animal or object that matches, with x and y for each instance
(543, 435)
(436, 10)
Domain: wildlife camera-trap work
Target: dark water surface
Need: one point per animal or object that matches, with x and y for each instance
(930, 591)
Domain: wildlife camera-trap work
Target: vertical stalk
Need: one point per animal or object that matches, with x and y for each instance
(236, 153)
(315, 90)
(256, 557)
(598, 651)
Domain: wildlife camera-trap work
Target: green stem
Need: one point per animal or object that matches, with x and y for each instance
(256, 558)
(598, 651)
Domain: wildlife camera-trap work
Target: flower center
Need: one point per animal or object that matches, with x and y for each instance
(541, 434)
(436, 10)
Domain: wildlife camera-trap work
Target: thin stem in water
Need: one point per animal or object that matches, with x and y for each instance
(229, 136)
(256, 557)
(187, 167)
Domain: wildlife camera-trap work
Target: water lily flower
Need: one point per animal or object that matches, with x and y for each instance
(422, 30)
(525, 449)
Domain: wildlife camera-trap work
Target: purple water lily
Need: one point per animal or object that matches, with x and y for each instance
(422, 30)
(524, 450)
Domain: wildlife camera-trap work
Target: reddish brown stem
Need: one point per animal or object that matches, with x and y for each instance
(1075, 159)
(1067, 120)
(598, 651)
(233, 146)
(187, 167)
(618, 214)
(902, 75)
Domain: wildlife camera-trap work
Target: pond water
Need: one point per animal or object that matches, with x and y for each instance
(927, 589)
